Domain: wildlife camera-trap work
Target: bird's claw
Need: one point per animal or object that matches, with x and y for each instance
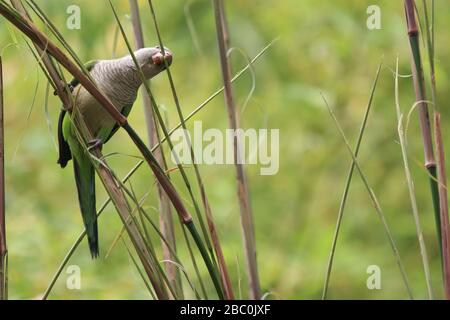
(95, 143)
(71, 88)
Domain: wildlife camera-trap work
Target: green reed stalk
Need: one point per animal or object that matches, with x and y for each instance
(424, 121)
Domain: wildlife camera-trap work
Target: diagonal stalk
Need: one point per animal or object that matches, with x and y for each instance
(347, 187)
(374, 200)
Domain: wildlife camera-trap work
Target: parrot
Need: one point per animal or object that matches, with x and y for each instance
(119, 79)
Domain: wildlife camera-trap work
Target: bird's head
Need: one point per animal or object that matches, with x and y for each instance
(152, 60)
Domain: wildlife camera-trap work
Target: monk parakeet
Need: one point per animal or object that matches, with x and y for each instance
(119, 80)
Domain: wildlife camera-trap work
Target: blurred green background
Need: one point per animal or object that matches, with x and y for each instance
(323, 46)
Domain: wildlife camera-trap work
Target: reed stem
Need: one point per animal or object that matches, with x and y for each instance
(242, 186)
(424, 118)
(3, 246)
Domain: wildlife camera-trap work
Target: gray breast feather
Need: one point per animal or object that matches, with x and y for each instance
(117, 81)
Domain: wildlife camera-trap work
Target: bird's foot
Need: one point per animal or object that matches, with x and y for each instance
(71, 87)
(95, 143)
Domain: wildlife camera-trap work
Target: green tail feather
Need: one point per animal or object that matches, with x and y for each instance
(85, 180)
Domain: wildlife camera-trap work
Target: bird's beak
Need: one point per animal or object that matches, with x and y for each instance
(158, 58)
(168, 57)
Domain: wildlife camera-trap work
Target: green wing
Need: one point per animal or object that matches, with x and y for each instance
(125, 111)
(64, 150)
(70, 148)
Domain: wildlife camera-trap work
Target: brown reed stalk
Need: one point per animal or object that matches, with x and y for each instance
(242, 186)
(3, 246)
(165, 220)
